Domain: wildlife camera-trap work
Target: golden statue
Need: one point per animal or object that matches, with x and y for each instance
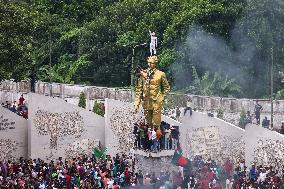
(152, 87)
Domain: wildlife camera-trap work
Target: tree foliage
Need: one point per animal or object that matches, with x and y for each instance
(242, 121)
(90, 42)
(215, 85)
(82, 100)
(220, 113)
(99, 108)
(17, 24)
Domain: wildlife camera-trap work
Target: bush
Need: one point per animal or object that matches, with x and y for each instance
(82, 100)
(279, 95)
(99, 108)
(220, 113)
(242, 121)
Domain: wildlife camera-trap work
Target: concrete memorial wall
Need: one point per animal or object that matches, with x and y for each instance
(231, 107)
(57, 128)
(13, 135)
(264, 147)
(60, 129)
(212, 138)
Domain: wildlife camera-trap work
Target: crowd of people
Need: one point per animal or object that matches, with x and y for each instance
(208, 175)
(150, 139)
(82, 172)
(255, 119)
(120, 171)
(19, 107)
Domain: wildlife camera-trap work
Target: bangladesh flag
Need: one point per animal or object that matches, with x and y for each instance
(180, 160)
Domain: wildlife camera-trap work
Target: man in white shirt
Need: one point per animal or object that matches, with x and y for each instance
(154, 140)
(42, 185)
(167, 138)
(227, 184)
(262, 176)
(153, 43)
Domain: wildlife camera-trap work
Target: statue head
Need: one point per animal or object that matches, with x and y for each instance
(152, 61)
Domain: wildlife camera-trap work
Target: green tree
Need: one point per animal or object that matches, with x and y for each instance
(88, 39)
(279, 95)
(260, 29)
(242, 121)
(208, 85)
(220, 113)
(17, 23)
(99, 108)
(82, 100)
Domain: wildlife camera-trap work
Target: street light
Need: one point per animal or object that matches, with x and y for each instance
(132, 61)
(271, 87)
(50, 67)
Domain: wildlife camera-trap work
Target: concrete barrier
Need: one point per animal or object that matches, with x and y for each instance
(13, 135)
(60, 129)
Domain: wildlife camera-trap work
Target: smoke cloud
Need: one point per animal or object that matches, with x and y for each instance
(241, 59)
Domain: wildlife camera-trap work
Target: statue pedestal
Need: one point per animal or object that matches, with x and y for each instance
(163, 153)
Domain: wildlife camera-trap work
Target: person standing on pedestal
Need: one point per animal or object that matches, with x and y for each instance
(153, 43)
(152, 87)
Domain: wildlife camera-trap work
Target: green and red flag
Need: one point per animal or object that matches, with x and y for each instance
(180, 160)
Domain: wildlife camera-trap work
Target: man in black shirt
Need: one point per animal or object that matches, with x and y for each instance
(257, 109)
(265, 123)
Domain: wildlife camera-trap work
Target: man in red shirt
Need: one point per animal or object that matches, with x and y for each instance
(68, 178)
(21, 100)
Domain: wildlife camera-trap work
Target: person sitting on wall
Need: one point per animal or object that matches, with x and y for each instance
(282, 129)
(7, 105)
(248, 118)
(13, 108)
(265, 123)
(24, 112)
(14, 105)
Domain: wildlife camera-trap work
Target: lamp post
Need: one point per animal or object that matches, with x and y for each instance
(271, 87)
(132, 61)
(50, 66)
(272, 28)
